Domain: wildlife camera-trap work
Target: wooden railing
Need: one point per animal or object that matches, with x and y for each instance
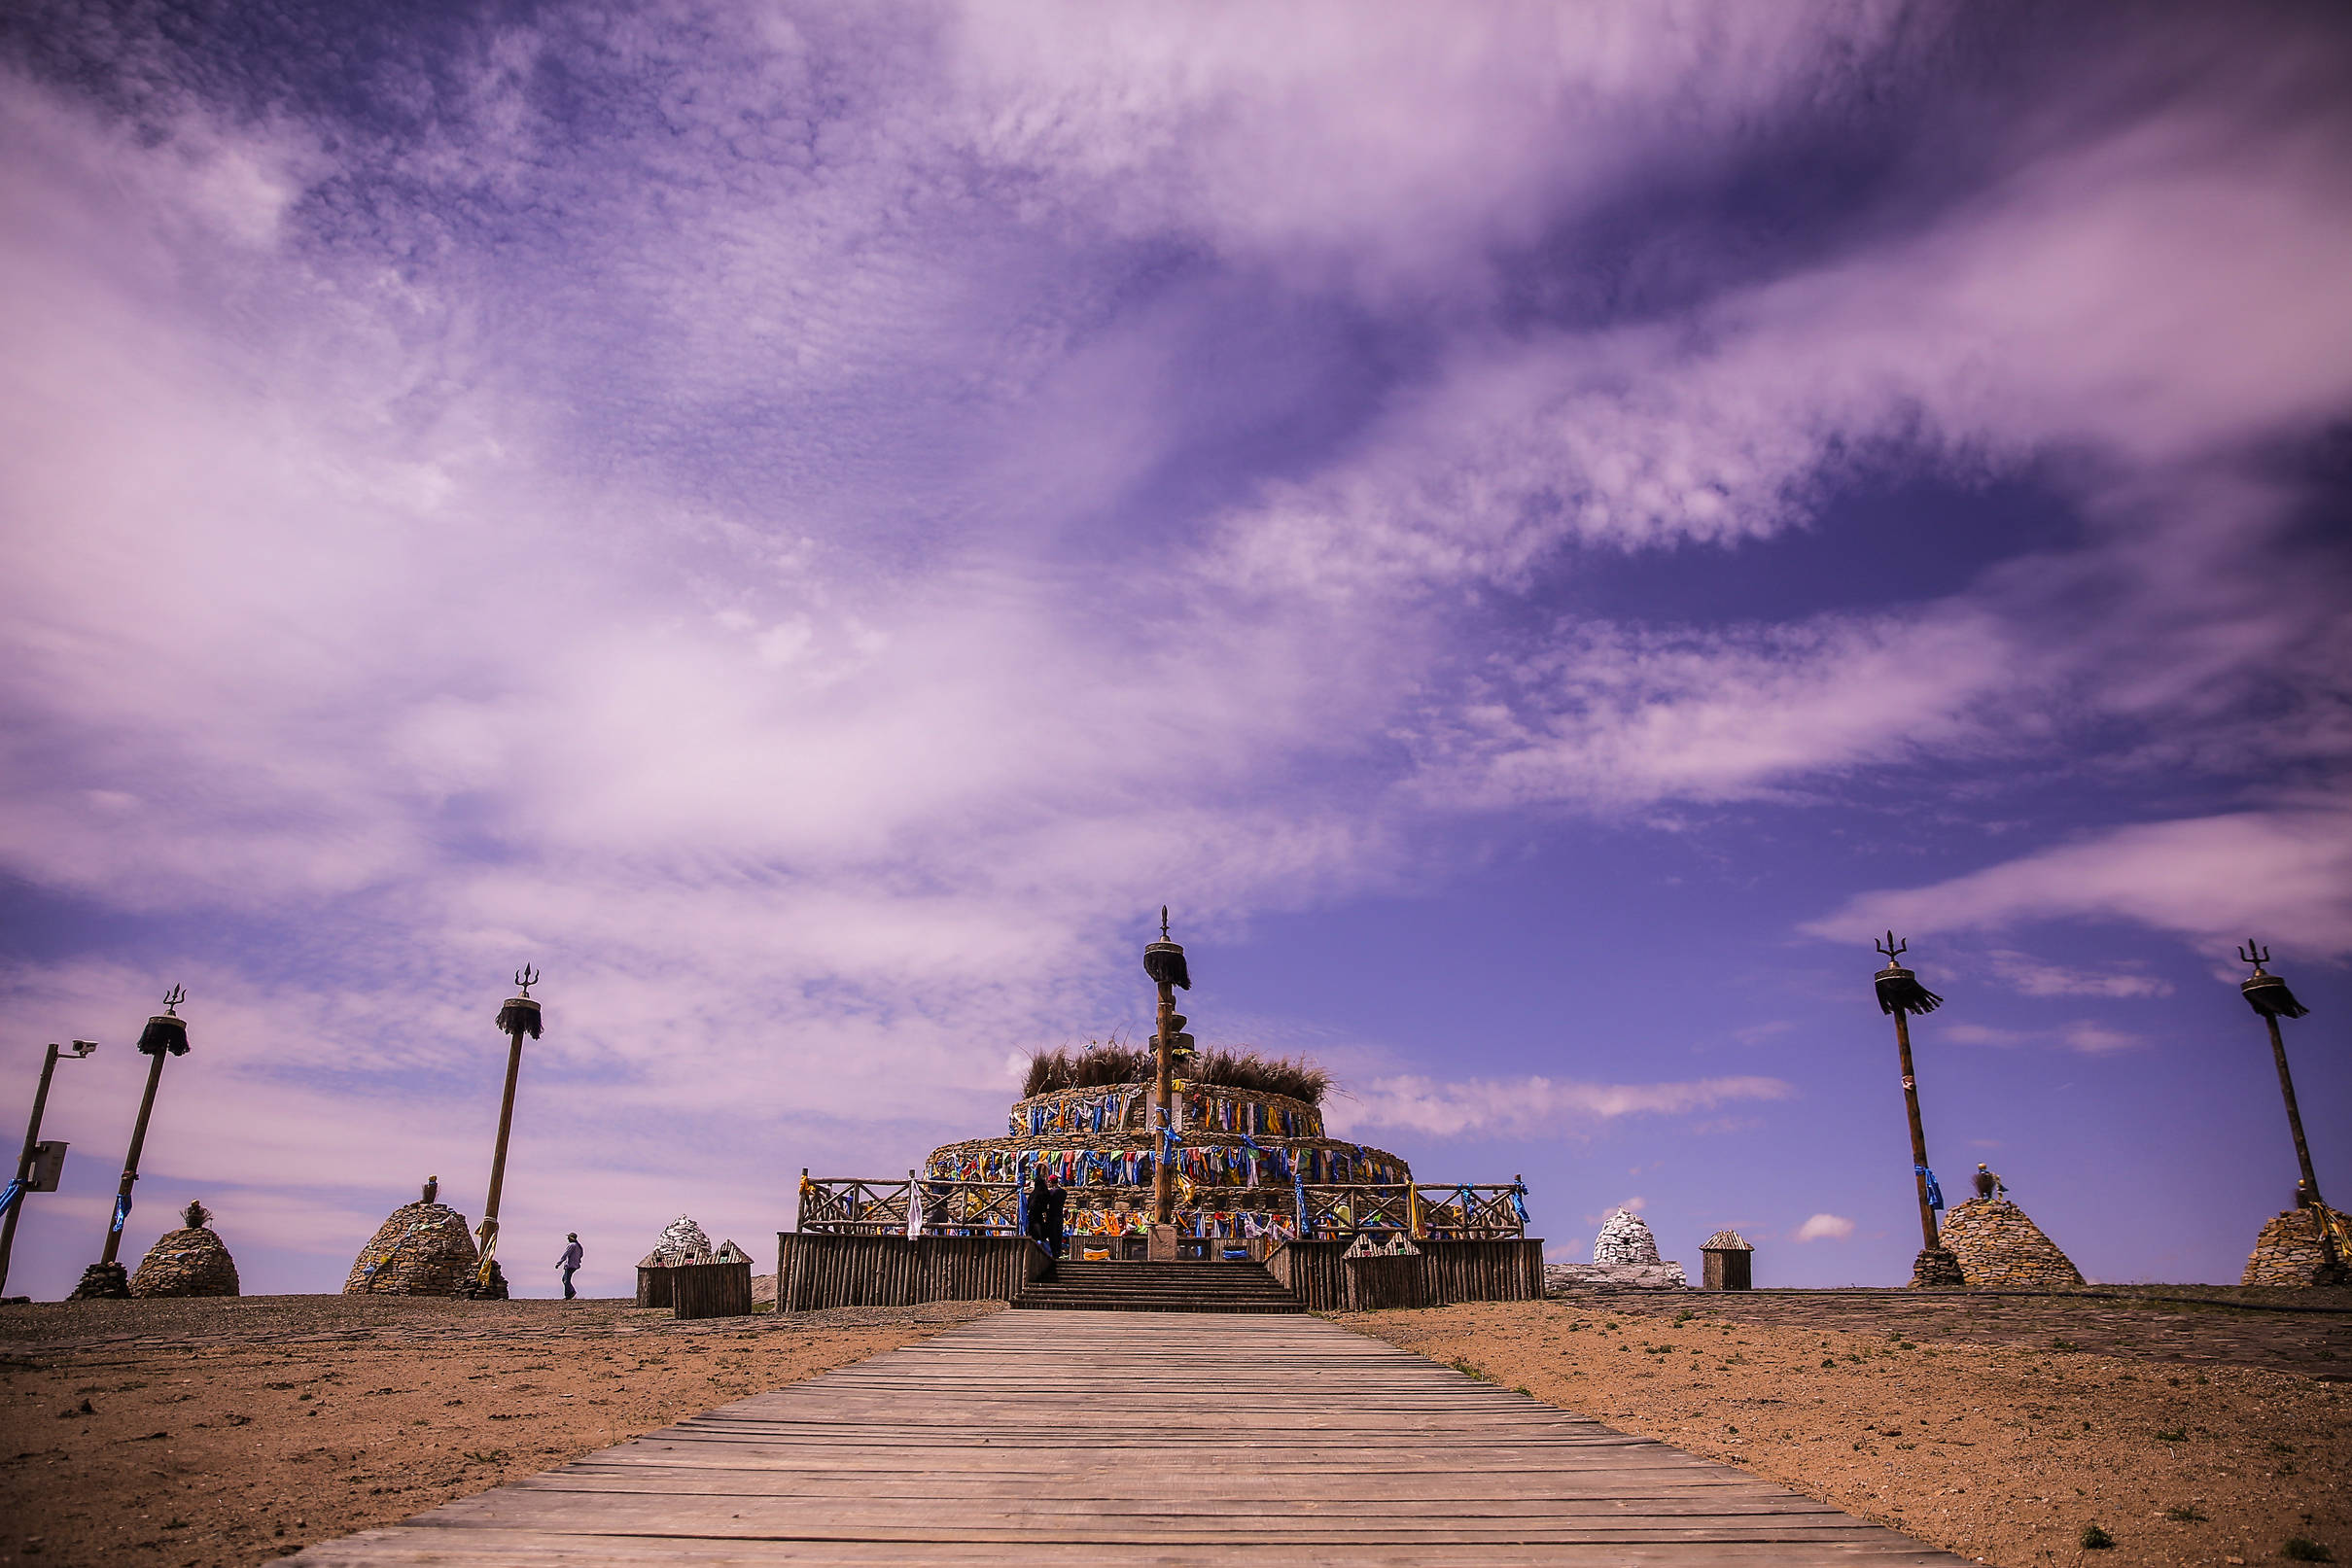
(854, 1205)
(1473, 1211)
(1468, 1211)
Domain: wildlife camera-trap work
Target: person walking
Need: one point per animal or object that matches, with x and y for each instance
(569, 1263)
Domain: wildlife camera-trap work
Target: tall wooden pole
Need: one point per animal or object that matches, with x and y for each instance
(520, 1016)
(24, 1161)
(1163, 1171)
(1901, 994)
(1928, 1238)
(2295, 1116)
(131, 1160)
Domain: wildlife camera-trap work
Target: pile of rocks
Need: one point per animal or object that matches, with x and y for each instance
(681, 1241)
(2289, 1251)
(192, 1261)
(1623, 1253)
(1997, 1244)
(423, 1249)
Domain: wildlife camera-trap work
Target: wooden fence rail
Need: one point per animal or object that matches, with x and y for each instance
(819, 1269)
(1444, 1272)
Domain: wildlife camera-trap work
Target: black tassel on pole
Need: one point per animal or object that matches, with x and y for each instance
(1900, 991)
(2268, 995)
(520, 1016)
(164, 1033)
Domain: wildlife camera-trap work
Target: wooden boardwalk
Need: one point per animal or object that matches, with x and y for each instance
(1098, 1438)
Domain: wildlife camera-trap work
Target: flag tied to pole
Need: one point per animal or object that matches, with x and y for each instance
(122, 1213)
(1934, 1194)
(8, 1199)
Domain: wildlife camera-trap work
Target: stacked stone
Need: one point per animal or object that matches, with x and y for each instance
(681, 1241)
(1994, 1243)
(2291, 1251)
(1624, 1253)
(423, 1249)
(192, 1260)
(1239, 1156)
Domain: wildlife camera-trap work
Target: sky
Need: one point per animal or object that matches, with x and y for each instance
(1538, 531)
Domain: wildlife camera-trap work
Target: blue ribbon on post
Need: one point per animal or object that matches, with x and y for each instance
(122, 1211)
(1934, 1194)
(8, 1199)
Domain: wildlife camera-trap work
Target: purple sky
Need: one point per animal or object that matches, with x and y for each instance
(1537, 530)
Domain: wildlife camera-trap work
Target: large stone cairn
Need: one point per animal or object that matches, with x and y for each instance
(1997, 1244)
(190, 1262)
(2289, 1251)
(1623, 1253)
(423, 1249)
(681, 1241)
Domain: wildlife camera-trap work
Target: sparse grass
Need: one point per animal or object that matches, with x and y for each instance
(2299, 1548)
(2094, 1539)
(2185, 1514)
(1104, 1064)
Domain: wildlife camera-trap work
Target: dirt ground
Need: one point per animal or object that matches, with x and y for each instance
(205, 1433)
(1998, 1428)
(232, 1432)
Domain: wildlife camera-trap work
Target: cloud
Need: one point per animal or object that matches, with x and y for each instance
(1525, 1107)
(2210, 880)
(2034, 977)
(1825, 1228)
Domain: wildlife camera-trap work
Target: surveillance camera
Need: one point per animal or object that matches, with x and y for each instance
(82, 1048)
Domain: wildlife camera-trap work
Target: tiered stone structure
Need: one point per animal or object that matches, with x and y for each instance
(1624, 1253)
(192, 1260)
(1240, 1158)
(1995, 1244)
(2289, 1251)
(422, 1249)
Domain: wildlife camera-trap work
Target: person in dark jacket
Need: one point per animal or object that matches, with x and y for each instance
(1057, 1198)
(570, 1262)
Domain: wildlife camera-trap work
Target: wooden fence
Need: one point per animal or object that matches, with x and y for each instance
(855, 1205)
(1445, 1273)
(710, 1289)
(817, 1270)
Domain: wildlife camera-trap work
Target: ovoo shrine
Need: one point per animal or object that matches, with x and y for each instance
(1238, 1156)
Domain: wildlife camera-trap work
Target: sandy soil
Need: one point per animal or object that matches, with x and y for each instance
(230, 1432)
(1998, 1437)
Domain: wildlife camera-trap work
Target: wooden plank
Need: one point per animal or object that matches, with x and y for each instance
(1052, 1438)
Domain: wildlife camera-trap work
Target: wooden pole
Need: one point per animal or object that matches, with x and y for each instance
(1918, 1134)
(1163, 1175)
(131, 1160)
(24, 1164)
(2295, 1116)
(498, 1157)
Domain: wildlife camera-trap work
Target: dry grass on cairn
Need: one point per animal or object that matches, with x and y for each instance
(1099, 1065)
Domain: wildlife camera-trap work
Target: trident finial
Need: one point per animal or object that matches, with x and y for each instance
(525, 978)
(2254, 953)
(1163, 923)
(1892, 948)
(172, 999)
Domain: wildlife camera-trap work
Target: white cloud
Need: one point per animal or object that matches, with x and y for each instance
(1825, 1228)
(1525, 1106)
(2037, 978)
(2211, 879)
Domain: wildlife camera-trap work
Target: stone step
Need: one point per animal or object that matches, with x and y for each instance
(1159, 1287)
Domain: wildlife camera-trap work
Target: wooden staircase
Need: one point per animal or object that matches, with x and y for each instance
(1158, 1287)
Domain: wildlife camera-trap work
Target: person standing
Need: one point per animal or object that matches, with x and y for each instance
(569, 1263)
(1057, 1198)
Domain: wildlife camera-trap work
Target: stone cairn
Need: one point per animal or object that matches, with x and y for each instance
(681, 1241)
(190, 1262)
(1997, 1244)
(2289, 1251)
(1624, 1253)
(422, 1249)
